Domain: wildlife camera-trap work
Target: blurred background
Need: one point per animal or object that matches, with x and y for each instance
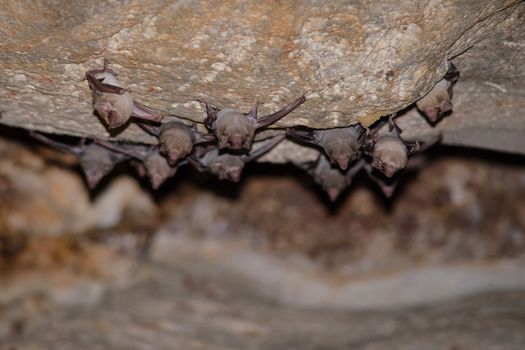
(269, 263)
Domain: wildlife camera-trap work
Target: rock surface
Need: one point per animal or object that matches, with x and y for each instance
(358, 61)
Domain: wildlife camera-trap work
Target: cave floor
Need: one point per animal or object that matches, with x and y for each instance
(169, 308)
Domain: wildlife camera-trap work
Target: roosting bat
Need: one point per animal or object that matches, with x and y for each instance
(176, 139)
(390, 152)
(95, 160)
(341, 145)
(332, 179)
(439, 100)
(113, 102)
(235, 130)
(229, 166)
(157, 167)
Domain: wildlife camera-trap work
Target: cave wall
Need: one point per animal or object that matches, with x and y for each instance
(356, 60)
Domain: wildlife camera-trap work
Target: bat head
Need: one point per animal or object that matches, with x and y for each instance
(176, 142)
(228, 167)
(96, 162)
(389, 155)
(332, 179)
(234, 130)
(342, 145)
(158, 169)
(114, 109)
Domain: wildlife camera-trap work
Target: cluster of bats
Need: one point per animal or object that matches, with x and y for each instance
(229, 143)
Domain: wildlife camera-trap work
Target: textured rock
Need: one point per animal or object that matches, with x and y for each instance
(357, 61)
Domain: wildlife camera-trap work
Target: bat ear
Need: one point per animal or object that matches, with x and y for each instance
(393, 125)
(452, 74)
(413, 147)
(211, 111)
(253, 112)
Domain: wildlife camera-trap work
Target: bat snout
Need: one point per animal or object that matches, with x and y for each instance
(236, 141)
(389, 169)
(342, 161)
(333, 193)
(234, 175)
(93, 180)
(174, 156)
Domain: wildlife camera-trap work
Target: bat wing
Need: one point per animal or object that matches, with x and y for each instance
(303, 135)
(133, 151)
(202, 138)
(272, 118)
(266, 147)
(143, 112)
(354, 169)
(197, 163)
(150, 129)
(76, 150)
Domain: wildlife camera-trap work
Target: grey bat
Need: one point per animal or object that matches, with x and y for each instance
(341, 145)
(332, 179)
(96, 161)
(390, 152)
(156, 166)
(236, 130)
(113, 103)
(229, 166)
(176, 139)
(439, 100)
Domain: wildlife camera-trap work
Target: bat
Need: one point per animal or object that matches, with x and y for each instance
(341, 145)
(155, 165)
(390, 152)
(438, 101)
(236, 130)
(96, 161)
(112, 102)
(332, 179)
(229, 166)
(176, 139)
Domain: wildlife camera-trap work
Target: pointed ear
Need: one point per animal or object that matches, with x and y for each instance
(266, 147)
(452, 74)
(393, 125)
(413, 147)
(253, 112)
(424, 144)
(272, 118)
(211, 111)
